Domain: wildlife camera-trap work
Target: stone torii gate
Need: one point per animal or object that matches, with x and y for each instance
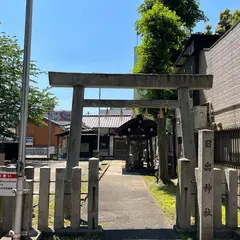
(180, 82)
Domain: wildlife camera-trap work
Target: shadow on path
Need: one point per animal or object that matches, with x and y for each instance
(139, 234)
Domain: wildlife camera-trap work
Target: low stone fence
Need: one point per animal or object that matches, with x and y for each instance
(59, 196)
(201, 197)
(224, 168)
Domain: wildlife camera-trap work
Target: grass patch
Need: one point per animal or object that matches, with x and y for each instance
(165, 197)
(84, 189)
(51, 213)
(224, 215)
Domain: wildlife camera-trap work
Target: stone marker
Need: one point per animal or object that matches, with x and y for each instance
(205, 185)
(93, 192)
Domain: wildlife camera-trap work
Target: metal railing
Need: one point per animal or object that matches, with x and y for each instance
(227, 147)
(40, 150)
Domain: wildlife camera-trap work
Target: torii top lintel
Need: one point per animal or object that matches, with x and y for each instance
(141, 81)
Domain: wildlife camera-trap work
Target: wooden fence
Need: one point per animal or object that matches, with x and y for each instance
(44, 194)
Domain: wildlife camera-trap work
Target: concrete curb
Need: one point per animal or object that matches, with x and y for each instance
(104, 171)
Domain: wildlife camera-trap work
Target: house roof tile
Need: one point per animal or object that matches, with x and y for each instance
(91, 121)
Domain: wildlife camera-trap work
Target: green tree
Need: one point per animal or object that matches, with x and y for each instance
(188, 10)
(235, 17)
(208, 29)
(224, 24)
(227, 20)
(163, 26)
(10, 88)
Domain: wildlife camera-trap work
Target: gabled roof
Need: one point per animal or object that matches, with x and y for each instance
(107, 121)
(138, 127)
(84, 132)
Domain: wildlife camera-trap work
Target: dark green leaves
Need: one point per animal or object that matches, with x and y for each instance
(163, 26)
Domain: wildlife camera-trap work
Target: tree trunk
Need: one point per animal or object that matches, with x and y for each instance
(151, 153)
(162, 151)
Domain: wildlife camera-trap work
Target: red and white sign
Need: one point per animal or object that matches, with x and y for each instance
(8, 182)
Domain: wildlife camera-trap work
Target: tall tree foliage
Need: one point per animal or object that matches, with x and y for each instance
(11, 65)
(208, 29)
(163, 26)
(227, 20)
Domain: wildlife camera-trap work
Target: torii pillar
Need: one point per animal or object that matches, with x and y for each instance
(74, 143)
(75, 129)
(186, 125)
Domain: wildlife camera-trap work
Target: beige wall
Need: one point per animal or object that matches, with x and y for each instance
(223, 61)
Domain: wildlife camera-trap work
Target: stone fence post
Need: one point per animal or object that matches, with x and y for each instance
(183, 195)
(231, 206)
(93, 193)
(76, 199)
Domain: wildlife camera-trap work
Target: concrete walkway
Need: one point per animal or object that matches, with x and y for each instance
(127, 210)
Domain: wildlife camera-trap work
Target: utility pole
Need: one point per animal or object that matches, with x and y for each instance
(49, 134)
(23, 122)
(50, 110)
(99, 125)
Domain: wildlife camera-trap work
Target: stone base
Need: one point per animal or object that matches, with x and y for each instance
(37, 235)
(32, 234)
(223, 233)
(236, 234)
(137, 165)
(191, 230)
(82, 231)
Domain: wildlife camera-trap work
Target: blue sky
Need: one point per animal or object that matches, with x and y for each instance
(85, 36)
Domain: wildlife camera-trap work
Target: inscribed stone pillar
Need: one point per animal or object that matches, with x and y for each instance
(205, 186)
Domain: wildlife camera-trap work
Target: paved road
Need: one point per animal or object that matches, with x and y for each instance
(127, 210)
